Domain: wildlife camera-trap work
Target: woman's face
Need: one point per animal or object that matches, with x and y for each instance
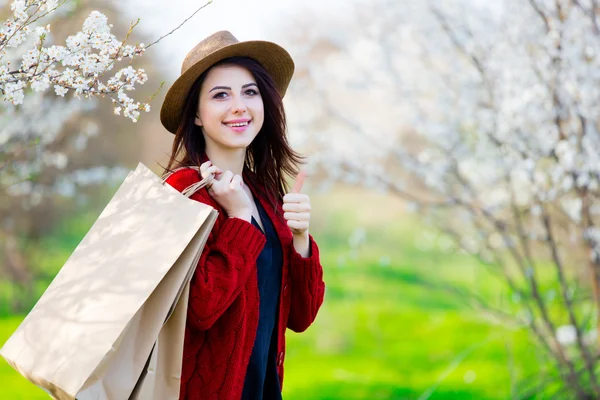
(230, 108)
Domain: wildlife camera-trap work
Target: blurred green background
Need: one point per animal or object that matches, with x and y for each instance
(385, 331)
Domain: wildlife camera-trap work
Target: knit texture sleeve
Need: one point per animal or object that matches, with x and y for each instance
(227, 261)
(307, 287)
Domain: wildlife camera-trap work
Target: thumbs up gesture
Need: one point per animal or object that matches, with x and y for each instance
(296, 207)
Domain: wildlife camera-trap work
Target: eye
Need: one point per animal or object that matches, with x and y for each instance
(219, 95)
(251, 92)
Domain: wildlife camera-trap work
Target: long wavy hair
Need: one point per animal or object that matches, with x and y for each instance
(269, 157)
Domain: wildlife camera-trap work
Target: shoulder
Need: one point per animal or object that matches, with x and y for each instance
(187, 177)
(183, 178)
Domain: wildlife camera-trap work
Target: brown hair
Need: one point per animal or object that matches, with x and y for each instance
(269, 156)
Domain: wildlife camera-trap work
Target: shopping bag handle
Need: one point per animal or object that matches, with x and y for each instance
(193, 188)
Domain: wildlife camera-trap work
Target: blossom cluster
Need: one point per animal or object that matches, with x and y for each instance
(80, 66)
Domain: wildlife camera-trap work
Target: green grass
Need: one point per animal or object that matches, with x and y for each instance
(14, 386)
(386, 330)
(393, 339)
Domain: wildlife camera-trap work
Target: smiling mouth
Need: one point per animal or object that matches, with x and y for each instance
(238, 124)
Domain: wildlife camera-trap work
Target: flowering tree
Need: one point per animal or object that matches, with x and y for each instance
(46, 122)
(486, 119)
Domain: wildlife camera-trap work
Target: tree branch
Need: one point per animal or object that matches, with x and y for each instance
(588, 358)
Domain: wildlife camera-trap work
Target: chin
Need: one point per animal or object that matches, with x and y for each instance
(241, 141)
(237, 145)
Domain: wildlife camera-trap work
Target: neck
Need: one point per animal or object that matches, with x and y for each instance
(227, 159)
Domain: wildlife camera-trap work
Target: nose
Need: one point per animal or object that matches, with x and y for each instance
(238, 106)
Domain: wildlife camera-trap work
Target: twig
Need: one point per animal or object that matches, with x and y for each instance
(475, 60)
(5, 42)
(543, 16)
(180, 25)
(591, 12)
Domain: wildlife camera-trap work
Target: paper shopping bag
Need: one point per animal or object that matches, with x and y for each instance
(115, 313)
(161, 377)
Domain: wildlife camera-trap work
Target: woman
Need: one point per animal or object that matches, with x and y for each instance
(260, 271)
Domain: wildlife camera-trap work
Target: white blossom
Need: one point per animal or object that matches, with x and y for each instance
(14, 92)
(40, 83)
(60, 90)
(566, 335)
(78, 66)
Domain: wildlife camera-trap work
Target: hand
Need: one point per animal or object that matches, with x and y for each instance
(227, 190)
(296, 207)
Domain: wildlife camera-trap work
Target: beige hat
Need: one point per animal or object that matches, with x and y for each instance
(218, 46)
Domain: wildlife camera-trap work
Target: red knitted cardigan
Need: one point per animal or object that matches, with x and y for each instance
(222, 314)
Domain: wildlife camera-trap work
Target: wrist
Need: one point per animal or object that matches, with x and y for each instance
(301, 244)
(245, 215)
(301, 236)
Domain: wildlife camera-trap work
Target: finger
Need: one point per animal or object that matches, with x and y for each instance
(299, 182)
(213, 170)
(296, 198)
(205, 166)
(294, 216)
(296, 207)
(298, 225)
(222, 182)
(217, 171)
(236, 182)
(226, 177)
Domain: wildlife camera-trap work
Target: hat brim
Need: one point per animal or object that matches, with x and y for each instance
(274, 58)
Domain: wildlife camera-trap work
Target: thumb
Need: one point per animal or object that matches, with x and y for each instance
(299, 182)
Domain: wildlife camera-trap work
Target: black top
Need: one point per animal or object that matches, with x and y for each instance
(262, 380)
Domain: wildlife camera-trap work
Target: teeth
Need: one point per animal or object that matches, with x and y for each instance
(239, 124)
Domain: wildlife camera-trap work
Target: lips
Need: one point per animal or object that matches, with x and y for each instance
(238, 123)
(238, 126)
